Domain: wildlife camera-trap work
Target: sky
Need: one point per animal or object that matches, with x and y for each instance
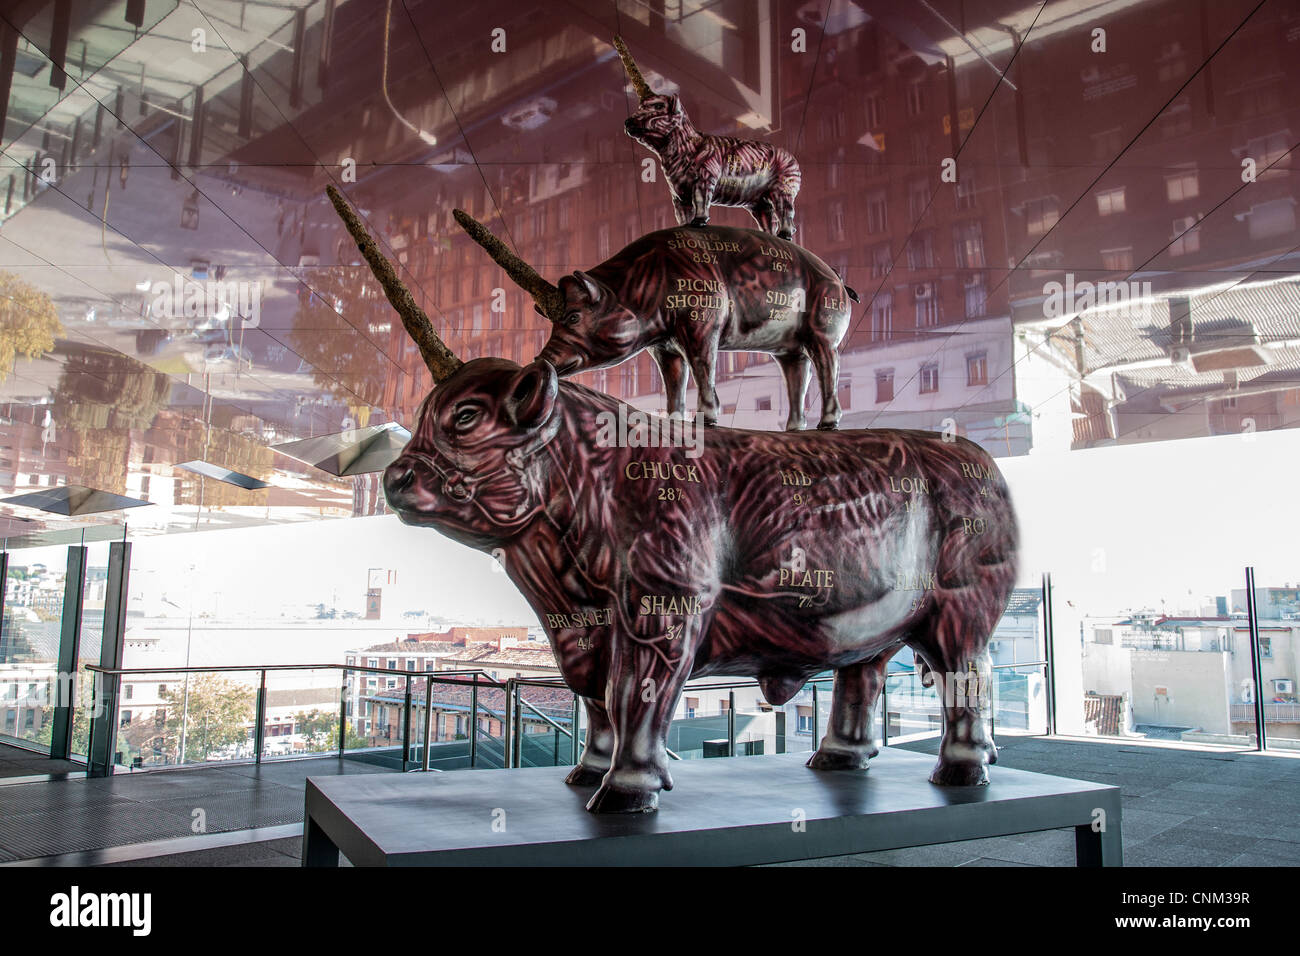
(1119, 528)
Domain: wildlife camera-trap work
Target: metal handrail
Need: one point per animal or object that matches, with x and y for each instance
(364, 669)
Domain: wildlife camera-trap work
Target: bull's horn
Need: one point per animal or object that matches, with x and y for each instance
(525, 276)
(638, 81)
(440, 359)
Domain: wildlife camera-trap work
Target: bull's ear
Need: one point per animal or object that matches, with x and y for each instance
(590, 287)
(532, 395)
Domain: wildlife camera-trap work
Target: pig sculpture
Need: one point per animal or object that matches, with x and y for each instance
(686, 294)
(769, 554)
(703, 170)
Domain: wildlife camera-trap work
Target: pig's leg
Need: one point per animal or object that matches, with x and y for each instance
(827, 361)
(785, 216)
(645, 681)
(599, 747)
(673, 368)
(701, 197)
(796, 368)
(702, 367)
(850, 740)
(957, 655)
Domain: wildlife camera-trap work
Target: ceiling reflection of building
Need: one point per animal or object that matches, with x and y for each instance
(1108, 258)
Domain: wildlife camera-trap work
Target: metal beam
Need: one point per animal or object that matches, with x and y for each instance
(103, 744)
(1256, 672)
(65, 677)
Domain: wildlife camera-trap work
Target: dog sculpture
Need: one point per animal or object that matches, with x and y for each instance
(703, 170)
(769, 554)
(686, 294)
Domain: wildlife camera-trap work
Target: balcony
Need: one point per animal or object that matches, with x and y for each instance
(1273, 713)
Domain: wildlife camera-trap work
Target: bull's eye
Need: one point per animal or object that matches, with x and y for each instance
(571, 318)
(465, 416)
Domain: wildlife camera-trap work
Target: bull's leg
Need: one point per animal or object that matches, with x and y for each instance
(827, 361)
(797, 369)
(682, 210)
(646, 677)
(673, 368)
(702, 368)
(598, 749)
(957, 655)
(764, 214)
(850, 740)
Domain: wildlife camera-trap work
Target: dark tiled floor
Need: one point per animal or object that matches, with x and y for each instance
(77, 814)
(1181, 808)
(16, 762)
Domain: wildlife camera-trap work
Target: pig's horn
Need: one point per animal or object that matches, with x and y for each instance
(638, 81)
(440, 359)
(525, 276)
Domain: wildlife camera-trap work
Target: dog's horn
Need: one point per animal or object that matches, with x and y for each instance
(440, 359)
(638, 81)
(547, 296)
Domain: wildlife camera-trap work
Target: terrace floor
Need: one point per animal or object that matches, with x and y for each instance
(1182, 807)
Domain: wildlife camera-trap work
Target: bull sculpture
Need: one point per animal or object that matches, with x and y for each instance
(764, 554)
(686, 294)
(703, 170)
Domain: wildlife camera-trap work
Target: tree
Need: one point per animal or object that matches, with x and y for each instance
(316, 728)
(29, 322)
(217, 715)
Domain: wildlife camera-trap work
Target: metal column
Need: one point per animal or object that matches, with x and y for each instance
(104, 731)
(65, 678)
(1049, 652)
(1256, 673)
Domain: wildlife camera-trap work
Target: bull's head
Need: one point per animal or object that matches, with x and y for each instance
(472, 468)
(591, 327)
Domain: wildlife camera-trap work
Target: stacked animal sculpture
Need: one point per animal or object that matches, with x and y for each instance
(775, 555)
(686, 294)
(703, 170)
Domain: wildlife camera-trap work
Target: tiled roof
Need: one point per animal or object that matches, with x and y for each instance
(1105, 712)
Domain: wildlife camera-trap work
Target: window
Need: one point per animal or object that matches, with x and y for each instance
(968, 244)
(874, 108)
(884, 385)
(835, 222)
(1274, 218)
(846, 397)
(128, 691)
(692, 705)
(1267, 150)
(803, 719)
(602, 241)
(372, 662)
(1117, 260)
(915, 98)
(1110, 201)
(1266, 647)
(392, 663)
(927, 310)
(976, 300)
(410, 663)
(1184, 184)
(918, 199)
(1188, 236)
(123, 720)
(882, 317)
(1041, 215)
(877, 213)
(881, 261)
(764, 404)
(929, 378)
(966, 190)
(920, 251)
(162, 689)
(977, 369)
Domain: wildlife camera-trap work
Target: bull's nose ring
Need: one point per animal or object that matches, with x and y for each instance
(456, 489)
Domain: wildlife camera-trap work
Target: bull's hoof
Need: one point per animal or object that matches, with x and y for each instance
(828, 426)
(581, 776)
(609, 800)
(825, 759)
(785, 234)
(964, 774)
(699, 221)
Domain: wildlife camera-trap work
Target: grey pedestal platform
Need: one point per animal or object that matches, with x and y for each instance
(722, 812)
